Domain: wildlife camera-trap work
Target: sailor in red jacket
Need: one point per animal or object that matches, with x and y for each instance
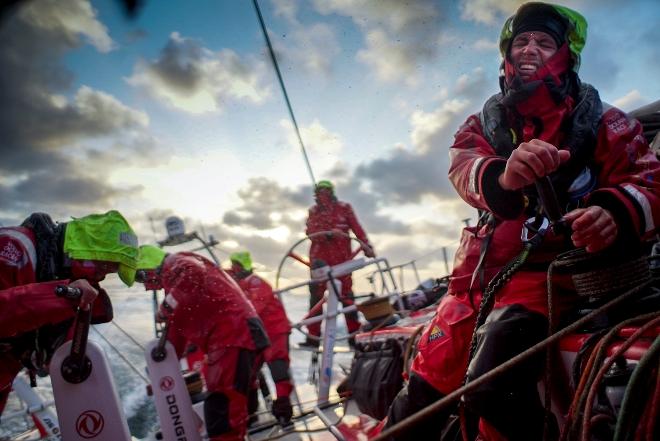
(34, 259)
(330, 214)
(272, 313)
(545, 122)
(204, 306)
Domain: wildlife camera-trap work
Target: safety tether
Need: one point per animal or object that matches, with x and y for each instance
(539, 225)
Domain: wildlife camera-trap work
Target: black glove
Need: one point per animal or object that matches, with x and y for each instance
(282, 410)
(368, 250)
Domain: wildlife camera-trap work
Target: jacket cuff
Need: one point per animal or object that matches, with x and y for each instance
(505, 204)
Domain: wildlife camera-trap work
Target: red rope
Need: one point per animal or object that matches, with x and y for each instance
(653, 409)
(586, 428)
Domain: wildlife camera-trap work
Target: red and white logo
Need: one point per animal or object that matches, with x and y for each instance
(166, 384)
(11, 253)
(89, 424)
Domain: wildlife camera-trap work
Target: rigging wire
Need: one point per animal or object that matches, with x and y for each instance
(130, 365)
(427, 254)
(286, 96)
(130, 337)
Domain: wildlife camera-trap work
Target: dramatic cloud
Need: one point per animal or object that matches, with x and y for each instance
(192, 78)
(70, 20)
(266, 252)
(320, 143)
(390, 59)
(483, 44)
(368, 206)
(398, 35)
(488, 11)
(287, 9)
(630, 101)
(314, 48)
(597, 58)
(405, 176)
(266, 205)
(309, 47)
(46, 155)
(474, 87)
(43, 189)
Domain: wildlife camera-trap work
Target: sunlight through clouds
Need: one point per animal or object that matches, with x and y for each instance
(197, 187)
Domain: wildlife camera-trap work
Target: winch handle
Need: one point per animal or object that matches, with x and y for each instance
(67, 292)
(548, 199)
(77, 367)
(550, 204)
(158, 353)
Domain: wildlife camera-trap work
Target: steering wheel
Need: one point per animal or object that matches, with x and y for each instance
(294, 255)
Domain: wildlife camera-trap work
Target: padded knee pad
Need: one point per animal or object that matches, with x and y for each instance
(216, 414)
(510, 400)
(253, 401)
(506, 333)
(417, 395)
(279, 370)
(245, 370)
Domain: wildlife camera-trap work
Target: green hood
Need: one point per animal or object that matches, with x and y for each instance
(576, 33)
(151, 257)
(106, 237)
(325, 185)
(243, 259)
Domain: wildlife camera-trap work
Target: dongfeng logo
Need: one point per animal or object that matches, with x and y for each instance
(166, 383)
(89, 424)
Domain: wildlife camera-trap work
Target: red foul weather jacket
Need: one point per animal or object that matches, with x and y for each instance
(628, 185)
(209, 308)
(25, 304)
(337, 216)
(268, 306)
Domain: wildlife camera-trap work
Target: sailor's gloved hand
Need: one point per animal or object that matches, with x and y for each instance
(160, 317)
(530, 161)
(282, 410)
(593, 228)
(369, 250)
(89, 293)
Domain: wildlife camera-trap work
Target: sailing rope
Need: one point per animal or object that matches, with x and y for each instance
(137, 343)
(432, 409)
(286, 95)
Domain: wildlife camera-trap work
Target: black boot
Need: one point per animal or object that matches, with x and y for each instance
(283, 411)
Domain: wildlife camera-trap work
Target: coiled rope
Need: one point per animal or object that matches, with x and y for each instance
(432, 409)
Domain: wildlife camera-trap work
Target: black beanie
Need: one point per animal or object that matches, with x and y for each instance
(540, 17)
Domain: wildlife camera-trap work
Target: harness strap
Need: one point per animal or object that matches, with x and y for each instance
(479, 270)
(503, 276)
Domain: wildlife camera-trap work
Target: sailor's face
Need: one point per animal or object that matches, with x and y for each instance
(323, 196)
(150, 279)
(92, 270)
(531, 50)
(236, 267)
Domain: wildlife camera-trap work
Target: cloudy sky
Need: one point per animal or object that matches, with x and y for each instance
(178, 111)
